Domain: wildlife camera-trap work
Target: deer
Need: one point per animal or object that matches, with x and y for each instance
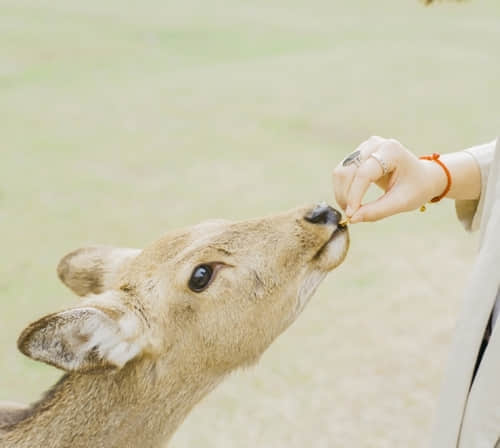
(158, 329)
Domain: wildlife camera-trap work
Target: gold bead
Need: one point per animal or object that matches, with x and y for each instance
(423, 208)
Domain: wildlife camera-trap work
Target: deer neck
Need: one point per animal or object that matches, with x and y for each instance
(135, 407)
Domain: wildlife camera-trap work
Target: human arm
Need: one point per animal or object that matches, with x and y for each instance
(409, 182)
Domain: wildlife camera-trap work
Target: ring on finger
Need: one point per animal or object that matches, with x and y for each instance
(381, 162)
(353, 158)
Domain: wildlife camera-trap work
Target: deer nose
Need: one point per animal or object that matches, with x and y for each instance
(323, 214)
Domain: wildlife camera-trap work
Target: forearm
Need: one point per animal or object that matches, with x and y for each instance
(465, 175)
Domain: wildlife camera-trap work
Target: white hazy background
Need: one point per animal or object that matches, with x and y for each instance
(122, 120)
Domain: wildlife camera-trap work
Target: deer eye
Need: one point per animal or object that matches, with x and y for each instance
(200, 278)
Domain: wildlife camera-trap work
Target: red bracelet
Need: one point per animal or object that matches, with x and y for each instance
(435, 158)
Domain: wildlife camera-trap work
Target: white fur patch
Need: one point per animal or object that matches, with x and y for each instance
(308, 288)
(117, 342)
(336, 251)
(114, 261)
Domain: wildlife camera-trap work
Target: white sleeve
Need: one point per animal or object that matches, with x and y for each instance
(469, 212)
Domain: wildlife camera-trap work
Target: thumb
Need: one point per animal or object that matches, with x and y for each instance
(387, 205)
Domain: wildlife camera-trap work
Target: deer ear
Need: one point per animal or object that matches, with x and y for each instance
(93, 270)
(84, 339)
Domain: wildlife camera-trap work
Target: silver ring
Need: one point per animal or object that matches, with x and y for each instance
(353, 158)
(381, 162)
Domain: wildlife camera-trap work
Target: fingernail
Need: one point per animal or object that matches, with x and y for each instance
(348, 211)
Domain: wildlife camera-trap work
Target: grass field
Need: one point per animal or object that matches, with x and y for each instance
(121, 121)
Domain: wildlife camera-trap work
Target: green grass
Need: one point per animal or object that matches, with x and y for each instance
(121, 121)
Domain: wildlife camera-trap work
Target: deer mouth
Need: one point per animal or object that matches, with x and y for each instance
(328, 257)
(338, 232)
(333, 252)
(341, 227)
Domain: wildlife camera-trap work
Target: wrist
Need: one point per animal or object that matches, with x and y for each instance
(437, 180)
(466, 175)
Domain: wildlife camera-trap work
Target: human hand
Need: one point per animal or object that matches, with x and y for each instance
(407, 181)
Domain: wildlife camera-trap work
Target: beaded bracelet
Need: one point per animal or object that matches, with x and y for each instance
(435, 158)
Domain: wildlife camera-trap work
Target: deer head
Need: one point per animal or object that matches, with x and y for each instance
(221, 290)
(157, 329)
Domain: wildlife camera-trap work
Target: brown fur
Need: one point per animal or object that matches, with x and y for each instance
(142, 349)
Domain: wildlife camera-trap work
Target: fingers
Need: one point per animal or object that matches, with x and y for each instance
(370, 171)
(342, 180)
(403, 183)
(387, 205)
(345, 172)
(378, 162)
(370, 146)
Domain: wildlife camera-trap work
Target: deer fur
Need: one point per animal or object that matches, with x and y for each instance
(142, 349)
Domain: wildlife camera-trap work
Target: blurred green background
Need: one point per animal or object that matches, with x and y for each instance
(121, 120)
